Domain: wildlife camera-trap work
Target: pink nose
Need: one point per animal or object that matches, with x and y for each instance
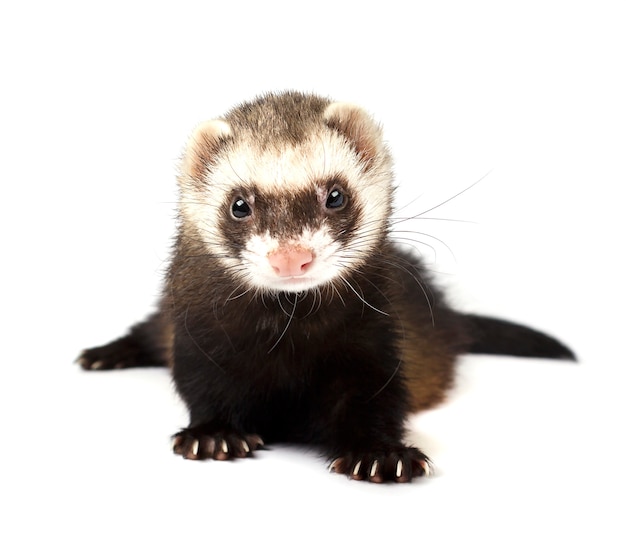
(290, 261)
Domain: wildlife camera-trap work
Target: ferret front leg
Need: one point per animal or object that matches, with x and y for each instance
(363, 434)
(212, 434)
(211, 400)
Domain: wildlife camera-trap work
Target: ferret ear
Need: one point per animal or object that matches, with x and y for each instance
(358, 126)
(203, 146)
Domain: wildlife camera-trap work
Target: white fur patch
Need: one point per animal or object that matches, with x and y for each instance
(324, 268)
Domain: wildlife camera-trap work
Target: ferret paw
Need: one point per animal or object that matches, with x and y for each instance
(118, 354)
(100, 358)
(399, 465)
(197, 444)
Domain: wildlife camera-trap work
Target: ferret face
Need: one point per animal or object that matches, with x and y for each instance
(289, 215)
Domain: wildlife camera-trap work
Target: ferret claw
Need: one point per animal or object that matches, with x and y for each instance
(425, 467)
(399, 469)
(374, 469)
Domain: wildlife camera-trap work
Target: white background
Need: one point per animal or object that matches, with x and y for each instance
(96, 102)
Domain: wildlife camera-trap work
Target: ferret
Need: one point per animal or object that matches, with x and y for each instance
(288, 313)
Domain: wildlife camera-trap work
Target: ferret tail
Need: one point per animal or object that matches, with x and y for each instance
(495, 336)
(147, 344)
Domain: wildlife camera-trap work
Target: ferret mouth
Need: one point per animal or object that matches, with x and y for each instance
(294, 283)
(291, 284)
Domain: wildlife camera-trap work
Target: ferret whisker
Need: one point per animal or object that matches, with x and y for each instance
(293, 312)
(280, 304)
(375, 286)
(396, 237)
(405, 206)
(316, 302)
(393, 221)
(422, 285)
(433, 208)
(416, 244)
(192, 338)
(360, 296)
(239, 295)
(386, 384)
(335, 291)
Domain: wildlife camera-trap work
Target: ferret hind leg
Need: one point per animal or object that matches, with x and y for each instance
(148, 344)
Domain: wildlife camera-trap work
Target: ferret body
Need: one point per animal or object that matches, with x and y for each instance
(288, 313)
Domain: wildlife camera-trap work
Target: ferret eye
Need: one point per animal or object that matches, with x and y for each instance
(241, 209)
(335, 200)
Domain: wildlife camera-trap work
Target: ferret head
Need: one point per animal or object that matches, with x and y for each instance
(289, 192)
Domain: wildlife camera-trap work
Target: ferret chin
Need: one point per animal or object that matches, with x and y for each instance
(288, 313)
